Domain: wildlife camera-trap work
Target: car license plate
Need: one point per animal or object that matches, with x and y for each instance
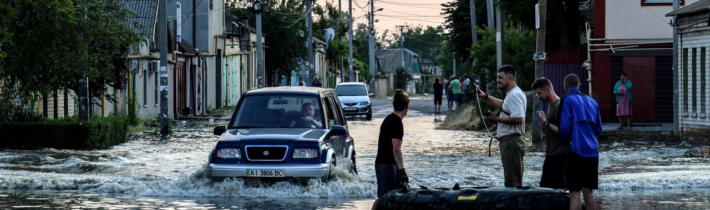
(350, 109)
(266, 172)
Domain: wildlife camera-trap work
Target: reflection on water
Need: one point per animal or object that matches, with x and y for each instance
(76, 199)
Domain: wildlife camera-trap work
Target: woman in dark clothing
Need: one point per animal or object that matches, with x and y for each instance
(438, 94)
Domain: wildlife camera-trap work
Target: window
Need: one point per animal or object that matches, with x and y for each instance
(685, 82)
(329, 112)
(702, 80)
(695, 84)
(337, 110)
(660, 2)
(351, 90)
(274, 111)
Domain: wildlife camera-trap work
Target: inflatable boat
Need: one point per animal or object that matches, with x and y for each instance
(475, 198)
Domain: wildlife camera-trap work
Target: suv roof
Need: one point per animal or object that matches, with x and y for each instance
(290, 90)
(351, 83)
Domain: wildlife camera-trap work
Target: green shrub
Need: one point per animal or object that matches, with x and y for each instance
(97, 133)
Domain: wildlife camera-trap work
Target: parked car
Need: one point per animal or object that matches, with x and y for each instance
(288, 133)
(354, 99)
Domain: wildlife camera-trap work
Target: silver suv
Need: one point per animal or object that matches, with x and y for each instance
(355, 99)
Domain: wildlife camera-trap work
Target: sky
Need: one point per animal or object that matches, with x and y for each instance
(396, 12)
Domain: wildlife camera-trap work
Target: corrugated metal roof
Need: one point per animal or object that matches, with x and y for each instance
(698, 6)
(146, 16)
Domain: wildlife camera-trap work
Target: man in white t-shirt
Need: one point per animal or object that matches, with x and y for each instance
(511, 124)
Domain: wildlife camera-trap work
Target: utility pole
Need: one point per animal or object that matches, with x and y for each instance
(401, 41)
(371, 33)
(676, 115)
(163, 28)
(539, 57)
(259, 49)
(311, 65)
(474, 34)
(350, 40)
(489, 9)
(500, 34)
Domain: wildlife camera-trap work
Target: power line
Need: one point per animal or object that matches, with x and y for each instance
(393, 2)
(440, 15)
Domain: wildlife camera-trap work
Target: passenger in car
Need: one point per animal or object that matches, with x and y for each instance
(307, 120)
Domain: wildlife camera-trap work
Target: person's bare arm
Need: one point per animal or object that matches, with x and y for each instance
(554, 128)
(506, 120)
(397, 149)
(497, 103)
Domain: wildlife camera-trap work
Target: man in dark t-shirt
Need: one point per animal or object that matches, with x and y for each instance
(553, 168)
(438, 94)
(389, 166)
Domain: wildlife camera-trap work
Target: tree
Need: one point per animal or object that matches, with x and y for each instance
(59, 37)
(458, 25)
(425, 41)
(519, 45)
(285, 34)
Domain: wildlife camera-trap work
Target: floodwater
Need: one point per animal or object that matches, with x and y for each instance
(148, 173)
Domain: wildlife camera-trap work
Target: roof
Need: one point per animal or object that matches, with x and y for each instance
(146, 16)
(390, 59)
(187, 48)
(289, 90)
(696, 7)
(351, 83)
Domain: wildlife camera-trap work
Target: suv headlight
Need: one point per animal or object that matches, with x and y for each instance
(364, 103)
(305, 153)
(228, 153)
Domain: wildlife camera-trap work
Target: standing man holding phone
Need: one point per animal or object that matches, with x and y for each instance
(511, 124)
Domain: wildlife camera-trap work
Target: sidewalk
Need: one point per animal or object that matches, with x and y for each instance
(661, 128)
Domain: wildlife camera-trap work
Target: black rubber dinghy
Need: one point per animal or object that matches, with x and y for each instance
(475, 198)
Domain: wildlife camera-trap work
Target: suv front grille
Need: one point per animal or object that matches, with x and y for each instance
(266, 153)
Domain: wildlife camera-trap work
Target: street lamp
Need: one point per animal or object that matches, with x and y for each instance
(259, 55)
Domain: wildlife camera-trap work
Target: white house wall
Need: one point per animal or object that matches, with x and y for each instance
(628, 20)
(694, 119)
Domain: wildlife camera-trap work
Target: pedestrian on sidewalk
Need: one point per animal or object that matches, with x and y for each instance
(449, 94)
(300, 81)
(622, 90)
(438, 94)
(455, 88)
(465, 89)
(316, 82)
(580, 123)
(553, 169)
(389, 164)
(511, 124)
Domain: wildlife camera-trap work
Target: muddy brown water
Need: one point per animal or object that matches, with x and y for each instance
(148, 173)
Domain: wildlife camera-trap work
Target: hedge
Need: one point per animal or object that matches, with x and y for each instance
(97, 133)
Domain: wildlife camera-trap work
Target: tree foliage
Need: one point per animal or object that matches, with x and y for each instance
(284, 26)
(424, 41)
(519, 48)
(53, 39)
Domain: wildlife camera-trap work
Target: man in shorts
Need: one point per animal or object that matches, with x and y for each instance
(438, 93)
(580, 123)
(553, 169)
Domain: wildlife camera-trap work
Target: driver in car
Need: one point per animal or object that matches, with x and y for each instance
(307, 120)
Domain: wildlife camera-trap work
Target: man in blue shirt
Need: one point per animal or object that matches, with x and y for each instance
(580, 123)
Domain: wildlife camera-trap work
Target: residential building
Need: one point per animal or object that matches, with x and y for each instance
(635, 38)
(390, 59)
(693, 57)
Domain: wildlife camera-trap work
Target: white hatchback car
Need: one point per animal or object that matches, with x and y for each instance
(354, 99)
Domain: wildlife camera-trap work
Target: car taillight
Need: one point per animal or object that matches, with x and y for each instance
(229, 153)
(305, 153)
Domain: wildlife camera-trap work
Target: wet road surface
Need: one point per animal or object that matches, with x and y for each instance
(148, 173)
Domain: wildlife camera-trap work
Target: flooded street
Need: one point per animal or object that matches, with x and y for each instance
(148, 173)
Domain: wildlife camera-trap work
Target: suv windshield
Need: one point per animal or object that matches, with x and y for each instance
(351, 90)
(278, 111)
